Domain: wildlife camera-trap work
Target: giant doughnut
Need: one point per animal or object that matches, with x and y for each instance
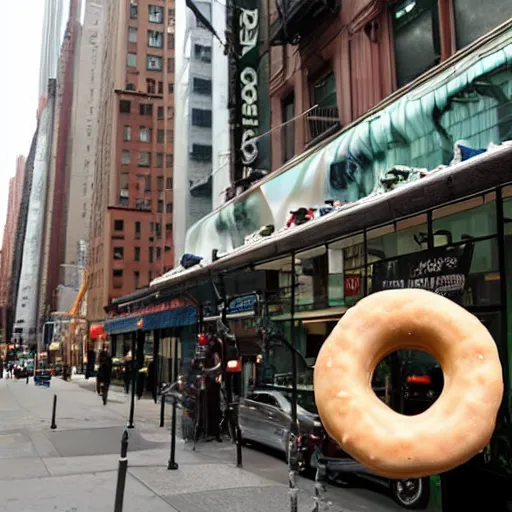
(456, 427)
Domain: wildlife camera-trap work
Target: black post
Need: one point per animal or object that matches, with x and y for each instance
(162, 410)
(121, 473)
(156, 364)
(294, 427)
(134, 383)
(53, 426)
(172, 465)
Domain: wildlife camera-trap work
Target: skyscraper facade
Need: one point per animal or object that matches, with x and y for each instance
(131, 224)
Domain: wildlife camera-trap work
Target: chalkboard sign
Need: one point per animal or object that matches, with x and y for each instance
(443, 270)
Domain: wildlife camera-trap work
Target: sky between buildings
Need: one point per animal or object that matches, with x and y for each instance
(20, 42)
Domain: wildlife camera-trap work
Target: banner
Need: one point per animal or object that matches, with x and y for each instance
(247, 87)
(442, 270)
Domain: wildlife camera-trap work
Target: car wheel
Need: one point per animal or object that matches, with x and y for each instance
(412, 494)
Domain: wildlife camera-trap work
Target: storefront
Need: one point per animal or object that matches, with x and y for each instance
(450, 233)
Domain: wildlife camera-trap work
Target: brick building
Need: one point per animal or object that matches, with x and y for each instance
(344, 57)
(130, 239)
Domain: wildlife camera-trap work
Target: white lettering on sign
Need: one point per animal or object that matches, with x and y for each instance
(249, 32)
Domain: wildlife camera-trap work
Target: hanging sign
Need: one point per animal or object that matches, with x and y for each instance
(443, 271)
(247, 123)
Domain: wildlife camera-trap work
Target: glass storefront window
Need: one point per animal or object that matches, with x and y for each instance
(346, 270)
(279, 302)
(311, 290)
(473, 218)
(408, 236)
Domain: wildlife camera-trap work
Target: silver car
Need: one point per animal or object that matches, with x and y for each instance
(265, 418)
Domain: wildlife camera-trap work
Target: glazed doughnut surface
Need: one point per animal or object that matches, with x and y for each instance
(454, 429)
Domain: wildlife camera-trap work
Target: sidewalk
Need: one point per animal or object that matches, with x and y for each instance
(74, 468)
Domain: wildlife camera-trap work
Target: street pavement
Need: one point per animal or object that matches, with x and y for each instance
(74, 467)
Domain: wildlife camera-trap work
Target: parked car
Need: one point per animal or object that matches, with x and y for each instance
(265, 418)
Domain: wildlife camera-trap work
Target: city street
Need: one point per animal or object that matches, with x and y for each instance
(73, 468)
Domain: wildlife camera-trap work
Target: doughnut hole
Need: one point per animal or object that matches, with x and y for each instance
(408, 381)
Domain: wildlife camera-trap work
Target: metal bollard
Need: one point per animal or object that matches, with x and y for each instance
(162, 410)
(53, 426)
(172, 464)
(121, 473)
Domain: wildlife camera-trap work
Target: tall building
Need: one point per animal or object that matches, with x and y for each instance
(53, 253)
(8, 244)
(50, 46)
(131, 224)
(193, 124)
(83, 140)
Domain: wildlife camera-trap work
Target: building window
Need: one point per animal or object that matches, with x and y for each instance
(416, 37)
(154, 63)
(155, 39)
(125, 106)
(150, 86)
(168, 184)
(160, 206)
(158, 253)
(170, 13)
(160, 113)
(169, 160)
(203, 53)
(118, 253)
(130, 86)
(201, 117)
(170, 136)
(325, 117)
(159, 160)
(127, 133)
(288, 136)
(160, 87)
(168, 228)
(117, 275)
(123, 181)
(137, 229)
(170, 87)
(151, 252)
(169, 208)
(206, 11)
(118, 225)
(133, 11)
(136, 279)
(202, 86)
(125, 157)
(170, 42)
(146, 109)
(147, 184)
(472, 21)
(160, 183)
(201, 152)
(160, 135)
(156, 14)
(170, 112)
(144, 134)
(132, 34)
(144, 159)
(170, 65)
(136, 253)
(150, 276)
(131, 60)
(158, 229)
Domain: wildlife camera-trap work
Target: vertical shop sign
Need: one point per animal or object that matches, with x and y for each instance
(247, 116)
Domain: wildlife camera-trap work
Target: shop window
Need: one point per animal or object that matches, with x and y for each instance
(472, 21)
(288, 138)
(407, 236)
(416, 38)
(346, 270)
(279, 302)
(473, 218)
(312, 279)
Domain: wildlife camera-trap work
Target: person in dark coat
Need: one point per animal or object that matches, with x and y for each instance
(104, 371)
(127, 374)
